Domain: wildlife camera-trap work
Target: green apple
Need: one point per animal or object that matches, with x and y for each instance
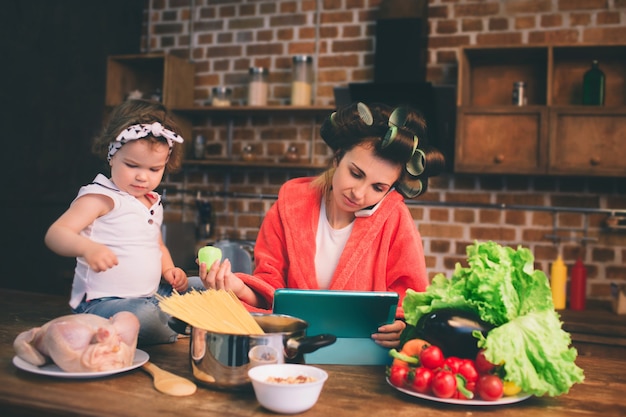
(209, 254)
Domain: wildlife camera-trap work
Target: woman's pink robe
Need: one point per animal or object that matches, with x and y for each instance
(384, 251)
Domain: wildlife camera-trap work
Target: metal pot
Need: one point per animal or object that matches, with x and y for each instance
(222, 360)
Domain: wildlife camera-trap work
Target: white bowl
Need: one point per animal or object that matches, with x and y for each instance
(284, 397)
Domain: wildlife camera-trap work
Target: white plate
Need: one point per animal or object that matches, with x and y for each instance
(140, 358)
(502, 401)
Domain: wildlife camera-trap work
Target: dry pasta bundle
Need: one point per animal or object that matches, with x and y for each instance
(217, 311)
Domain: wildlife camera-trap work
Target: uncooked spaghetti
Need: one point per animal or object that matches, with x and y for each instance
(217, 311)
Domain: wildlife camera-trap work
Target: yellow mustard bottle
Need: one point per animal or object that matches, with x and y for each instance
(558, 282)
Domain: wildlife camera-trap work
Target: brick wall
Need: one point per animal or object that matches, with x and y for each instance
(225, 37)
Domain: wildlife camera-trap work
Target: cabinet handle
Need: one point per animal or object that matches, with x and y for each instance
(595, 160)
(498, 159)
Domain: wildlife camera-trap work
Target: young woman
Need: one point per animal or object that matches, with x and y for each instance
(349, 228)
(113, 227)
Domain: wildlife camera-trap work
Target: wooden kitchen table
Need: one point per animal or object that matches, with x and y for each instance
(349, 391)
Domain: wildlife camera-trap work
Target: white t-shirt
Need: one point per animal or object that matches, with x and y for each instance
(131, 230)
(329, 244)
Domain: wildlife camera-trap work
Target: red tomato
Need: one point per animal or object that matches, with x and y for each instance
(444, 384)
(483, 366)
(490, 388)
(453, 363)
(422, 380)
(398, 375)
(432, 357)
(468, 370)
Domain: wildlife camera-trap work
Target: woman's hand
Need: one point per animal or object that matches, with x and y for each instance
(221, 277)
(388, 335)
(177, 278)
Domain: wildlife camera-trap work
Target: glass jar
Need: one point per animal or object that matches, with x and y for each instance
(199, 146)
(221, 96)
(302, 80)
(258, 86)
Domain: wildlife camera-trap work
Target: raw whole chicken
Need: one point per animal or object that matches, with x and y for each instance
(81, 342)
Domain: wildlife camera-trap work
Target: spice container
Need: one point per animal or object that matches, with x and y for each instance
(593, 85)
(258, 86)
(302, 80)
(221, 96)
(558, 282)
(519, 93)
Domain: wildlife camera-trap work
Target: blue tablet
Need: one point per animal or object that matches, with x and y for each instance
(351, 316)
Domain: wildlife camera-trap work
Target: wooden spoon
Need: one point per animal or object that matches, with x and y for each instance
(168, 383)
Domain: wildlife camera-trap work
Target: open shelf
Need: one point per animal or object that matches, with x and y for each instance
(234, 110)
(265, 164)
(149, 73)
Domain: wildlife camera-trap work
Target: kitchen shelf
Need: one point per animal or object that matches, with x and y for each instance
(231, 118)
(554, 134)
(264, 164)
(251, 110)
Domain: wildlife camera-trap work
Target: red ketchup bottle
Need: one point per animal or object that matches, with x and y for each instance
(578, 286)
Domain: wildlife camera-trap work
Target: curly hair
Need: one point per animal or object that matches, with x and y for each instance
(396, 134)
(133, 112)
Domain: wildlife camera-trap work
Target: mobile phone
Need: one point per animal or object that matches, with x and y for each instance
(368, 211)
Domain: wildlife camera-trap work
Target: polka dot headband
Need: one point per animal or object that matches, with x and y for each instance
(139, 131)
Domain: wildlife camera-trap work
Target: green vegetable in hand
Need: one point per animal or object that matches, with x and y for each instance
(209, 254)
(503, 288)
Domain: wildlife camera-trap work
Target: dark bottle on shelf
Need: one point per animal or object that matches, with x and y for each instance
(593, 86)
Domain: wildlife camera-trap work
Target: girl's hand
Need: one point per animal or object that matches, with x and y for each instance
(177, 279)
(388, 335)
(221, 277)
(99, 257)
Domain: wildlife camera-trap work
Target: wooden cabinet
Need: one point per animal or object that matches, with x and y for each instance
(168, 75)
(553, 134)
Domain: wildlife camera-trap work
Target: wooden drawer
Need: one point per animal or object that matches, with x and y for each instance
(501, 140)
(587, 140)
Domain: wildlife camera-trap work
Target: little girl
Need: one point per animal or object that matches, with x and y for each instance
(113, 227)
